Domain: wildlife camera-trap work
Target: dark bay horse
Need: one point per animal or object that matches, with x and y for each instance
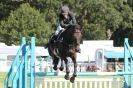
(66, 48)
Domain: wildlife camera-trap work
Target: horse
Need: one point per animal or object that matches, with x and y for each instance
(66, 48)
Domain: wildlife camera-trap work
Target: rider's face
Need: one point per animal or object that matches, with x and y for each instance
(65, 14)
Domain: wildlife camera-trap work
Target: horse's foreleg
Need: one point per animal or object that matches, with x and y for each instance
(67, 70)
(75, 70)
(53, 54)
(78, 48)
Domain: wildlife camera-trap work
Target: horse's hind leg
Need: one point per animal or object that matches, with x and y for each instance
(55, 63)
(62, 65)
(72, 79)
(67, 70)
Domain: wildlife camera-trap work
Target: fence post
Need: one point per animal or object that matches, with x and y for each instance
(126, 62)
(32, 64)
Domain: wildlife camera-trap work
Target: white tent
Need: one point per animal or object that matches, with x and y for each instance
(12, 50)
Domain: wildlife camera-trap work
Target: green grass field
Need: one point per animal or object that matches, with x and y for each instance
(2, 77)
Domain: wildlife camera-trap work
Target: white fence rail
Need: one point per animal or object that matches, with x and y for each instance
(81, 83)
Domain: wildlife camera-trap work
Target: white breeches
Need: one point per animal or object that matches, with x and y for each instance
(59, 28)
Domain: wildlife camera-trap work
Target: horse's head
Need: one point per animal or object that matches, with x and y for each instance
(75, 29)
(73, 34)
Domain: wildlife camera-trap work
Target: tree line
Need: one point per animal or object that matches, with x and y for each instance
(99, 19)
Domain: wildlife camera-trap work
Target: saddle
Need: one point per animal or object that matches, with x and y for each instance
(56, 38)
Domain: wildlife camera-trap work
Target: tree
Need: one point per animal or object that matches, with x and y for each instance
(6, 6)
(123, 21)
(99, 19)
(25, 21)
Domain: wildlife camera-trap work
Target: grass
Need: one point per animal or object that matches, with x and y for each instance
(2, 77)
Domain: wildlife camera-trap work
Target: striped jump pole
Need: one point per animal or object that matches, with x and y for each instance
(19, 76)
(128, 67)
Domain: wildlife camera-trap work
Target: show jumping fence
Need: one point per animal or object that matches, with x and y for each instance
(18, 71)
(19, 80)
(83, 83)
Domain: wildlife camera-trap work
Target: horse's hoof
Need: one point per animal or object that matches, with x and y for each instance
(55, 68)
(72, 79)
(66, 77)
(61, 68)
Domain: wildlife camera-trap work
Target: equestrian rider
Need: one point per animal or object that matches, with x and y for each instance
(66, 18)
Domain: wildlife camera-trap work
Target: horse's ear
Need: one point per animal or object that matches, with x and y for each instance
(79, 27)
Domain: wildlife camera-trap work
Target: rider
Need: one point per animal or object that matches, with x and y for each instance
(66, 18)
